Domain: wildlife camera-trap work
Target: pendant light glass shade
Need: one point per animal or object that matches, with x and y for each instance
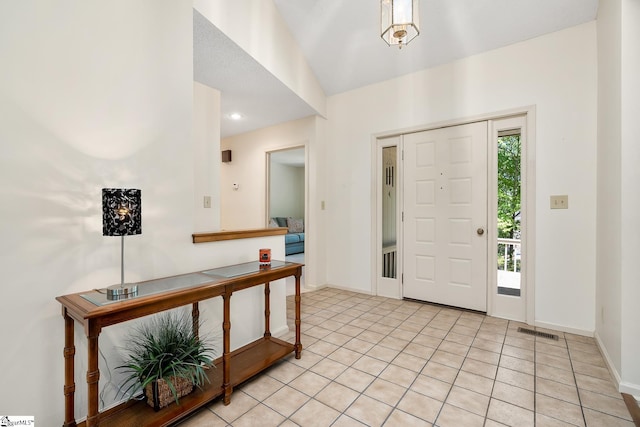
(399, 21)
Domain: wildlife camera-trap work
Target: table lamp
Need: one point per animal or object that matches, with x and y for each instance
(121, 216)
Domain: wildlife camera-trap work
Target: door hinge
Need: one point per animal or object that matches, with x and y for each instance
(402, 216)
(402, 278)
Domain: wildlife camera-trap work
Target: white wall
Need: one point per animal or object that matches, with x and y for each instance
(246, 207)
(206, 138)
(557, 74)
(609, 227)
(286, 194)
(95, 95)
(618, 319)
(630, 177)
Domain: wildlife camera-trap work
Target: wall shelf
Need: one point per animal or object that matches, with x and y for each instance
(237, 234)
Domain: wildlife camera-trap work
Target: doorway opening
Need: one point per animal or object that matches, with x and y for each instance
(286, 202)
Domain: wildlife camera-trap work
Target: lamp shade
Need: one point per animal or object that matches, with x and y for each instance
(121, 212)
(399, 21)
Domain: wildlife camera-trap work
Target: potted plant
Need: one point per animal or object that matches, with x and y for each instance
(165, 359)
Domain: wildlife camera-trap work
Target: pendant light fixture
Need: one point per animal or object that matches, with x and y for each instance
(399, 21)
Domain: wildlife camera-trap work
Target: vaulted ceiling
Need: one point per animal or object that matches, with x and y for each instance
(341, 42)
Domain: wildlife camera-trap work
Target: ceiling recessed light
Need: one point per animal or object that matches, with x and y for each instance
(235, 116)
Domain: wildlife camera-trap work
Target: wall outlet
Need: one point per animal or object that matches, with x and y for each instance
(559, 202)
(207, 201)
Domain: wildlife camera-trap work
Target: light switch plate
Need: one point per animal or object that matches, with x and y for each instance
(560, 202)
(207, 201)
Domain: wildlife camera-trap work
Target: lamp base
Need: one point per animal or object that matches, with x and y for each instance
(116, 292)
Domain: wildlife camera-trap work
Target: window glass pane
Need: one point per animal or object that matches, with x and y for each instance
(509, 215)
(389, 220)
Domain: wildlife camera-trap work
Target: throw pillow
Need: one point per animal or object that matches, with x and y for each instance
(273, 223)
(295, 225)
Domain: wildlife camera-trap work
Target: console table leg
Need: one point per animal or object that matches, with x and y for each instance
(195, 319)
(226, 348)
(93, 377)
(298, 344)
(267, 310)
(69, 371)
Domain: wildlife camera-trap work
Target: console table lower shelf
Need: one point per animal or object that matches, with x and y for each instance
(246, 362)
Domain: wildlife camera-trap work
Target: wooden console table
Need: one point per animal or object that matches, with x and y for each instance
(94, 312)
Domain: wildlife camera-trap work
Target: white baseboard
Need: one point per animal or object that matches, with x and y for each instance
(310, 287)
(607, 359)
(561, 328)
(344, 288)
(623, 386)
(632, 389)
(281, 331)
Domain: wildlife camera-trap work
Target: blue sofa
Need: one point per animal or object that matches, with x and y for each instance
(293, 241)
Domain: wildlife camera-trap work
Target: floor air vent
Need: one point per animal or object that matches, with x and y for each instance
(538, 333)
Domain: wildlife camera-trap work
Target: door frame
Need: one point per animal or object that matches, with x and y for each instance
(528, 176)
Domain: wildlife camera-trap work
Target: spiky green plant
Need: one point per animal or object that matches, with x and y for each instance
(165, 347)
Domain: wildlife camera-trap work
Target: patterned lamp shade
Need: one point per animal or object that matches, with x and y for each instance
(121, 212)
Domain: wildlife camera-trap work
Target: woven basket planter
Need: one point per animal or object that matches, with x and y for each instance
(159, 394)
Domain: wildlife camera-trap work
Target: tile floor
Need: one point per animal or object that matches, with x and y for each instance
(372, 361)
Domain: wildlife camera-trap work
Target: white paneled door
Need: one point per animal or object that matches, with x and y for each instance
(445, 216)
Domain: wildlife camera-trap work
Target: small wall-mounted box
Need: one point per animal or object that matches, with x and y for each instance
(226, 156)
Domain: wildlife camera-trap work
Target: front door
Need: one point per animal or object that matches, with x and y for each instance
(445, 216)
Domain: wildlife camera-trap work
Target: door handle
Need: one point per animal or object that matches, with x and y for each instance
(480, 231)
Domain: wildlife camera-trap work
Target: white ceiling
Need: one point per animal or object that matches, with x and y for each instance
(246, 86)
(341, 42)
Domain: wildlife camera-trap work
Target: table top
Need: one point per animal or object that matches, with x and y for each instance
(211, 276)
(169, 292)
